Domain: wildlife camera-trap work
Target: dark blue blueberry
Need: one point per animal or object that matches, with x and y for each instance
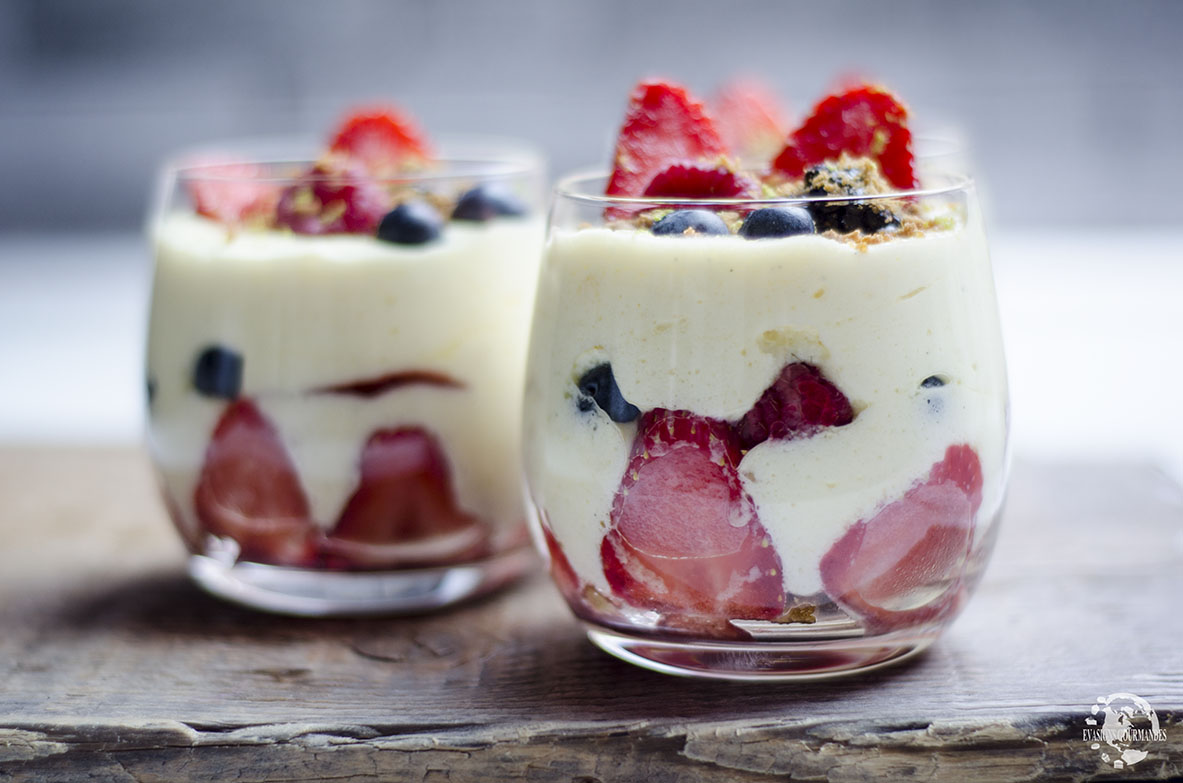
(935, 401)
(847, 216)
(485, 202)
(218, 372)
(830, 179)
(411, 223)
(701, 220)
(598, 385)
(776, 222)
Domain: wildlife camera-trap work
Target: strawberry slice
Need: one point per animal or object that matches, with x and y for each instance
(798, 404)
(863, 122)
(700, 180)
(750, 119)
(685, 538)
(249, 490)
(961, 467)
(662, 125)
(904, 565)
(382, 138)
(561, 570)
(404, 508)
(231, 193)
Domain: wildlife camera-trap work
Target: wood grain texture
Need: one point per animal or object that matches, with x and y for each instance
(113, 667)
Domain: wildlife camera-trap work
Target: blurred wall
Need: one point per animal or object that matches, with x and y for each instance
(1074, 107)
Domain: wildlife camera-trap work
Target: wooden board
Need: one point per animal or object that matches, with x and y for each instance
(113, 667)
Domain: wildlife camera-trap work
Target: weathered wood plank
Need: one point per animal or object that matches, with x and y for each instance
(112, 665)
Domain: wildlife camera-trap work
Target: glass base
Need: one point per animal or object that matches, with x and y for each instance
(310, 593)
(762, 661)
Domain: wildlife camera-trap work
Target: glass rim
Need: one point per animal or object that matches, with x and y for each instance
(288, 158)
(573, 187)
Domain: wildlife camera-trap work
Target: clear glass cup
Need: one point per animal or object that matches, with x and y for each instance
(776, 458)
(335, 419)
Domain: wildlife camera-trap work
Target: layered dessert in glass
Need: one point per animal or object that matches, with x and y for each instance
(335, 365)
(766, 406)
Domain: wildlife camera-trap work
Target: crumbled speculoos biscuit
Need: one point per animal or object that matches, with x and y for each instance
(857, 222)
(801, 613)
(846, 177)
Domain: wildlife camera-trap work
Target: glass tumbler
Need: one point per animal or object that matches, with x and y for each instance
(334, 413)
(766, 457)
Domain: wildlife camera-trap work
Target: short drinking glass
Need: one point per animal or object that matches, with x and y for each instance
(334, 411)
(766, 454)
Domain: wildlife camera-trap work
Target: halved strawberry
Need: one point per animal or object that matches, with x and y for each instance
(700, 180)
(231, 193)
(750, 119)
(904, 565)
(685, 538)
(249, 490)
(404, 509)
(382, 138)
(662, 125)
(798, 403)
(863, 122)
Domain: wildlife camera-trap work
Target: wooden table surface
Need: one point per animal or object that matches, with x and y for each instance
(113, 667)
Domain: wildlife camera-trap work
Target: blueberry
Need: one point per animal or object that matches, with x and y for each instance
(411, 223)
(218, 372)
(936, 401)
(847, 216)
(701, 220)
(485, 202)
(598, 385)
(860, 178)
(776, 222)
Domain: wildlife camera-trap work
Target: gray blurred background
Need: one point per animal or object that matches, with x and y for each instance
(1074, 108)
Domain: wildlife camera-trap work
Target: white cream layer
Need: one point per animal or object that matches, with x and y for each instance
(706, 323)
(308, 312)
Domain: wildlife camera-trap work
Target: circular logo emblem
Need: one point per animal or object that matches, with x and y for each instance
(1120, 726)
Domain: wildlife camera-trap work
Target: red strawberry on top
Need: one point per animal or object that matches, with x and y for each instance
(663, 125)
(750, 119)
(904, 565)
(382, 138)
(685, 538)
(334, 197)
(863, 122)
(404, 497)
(701, 180)
(249, 490)
(797, 404)
(231, 193)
